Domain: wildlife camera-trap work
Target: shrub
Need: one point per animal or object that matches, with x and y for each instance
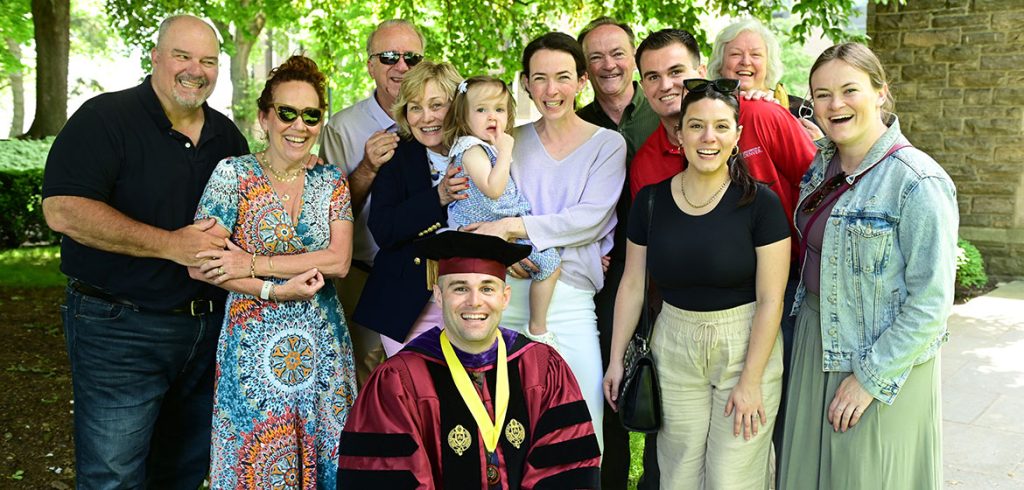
(970, 267)
(21, 183)
(24, 154)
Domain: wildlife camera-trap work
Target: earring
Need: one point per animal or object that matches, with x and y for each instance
(735, 151)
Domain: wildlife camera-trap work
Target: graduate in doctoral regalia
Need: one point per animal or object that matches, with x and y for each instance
(470, 405)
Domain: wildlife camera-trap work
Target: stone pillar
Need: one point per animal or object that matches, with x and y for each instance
(956, 68)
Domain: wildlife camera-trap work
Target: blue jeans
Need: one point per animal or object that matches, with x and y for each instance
(143, 389)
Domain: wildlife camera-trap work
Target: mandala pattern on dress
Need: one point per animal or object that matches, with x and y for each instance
(271, 456)
(291, 360)
(277, 232)
(287, 360)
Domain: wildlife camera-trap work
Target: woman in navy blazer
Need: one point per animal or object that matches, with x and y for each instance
(410, 200)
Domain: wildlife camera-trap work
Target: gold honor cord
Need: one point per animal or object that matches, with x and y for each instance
(491, 432)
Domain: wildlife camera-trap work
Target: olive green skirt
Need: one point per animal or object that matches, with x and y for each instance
(892, 446)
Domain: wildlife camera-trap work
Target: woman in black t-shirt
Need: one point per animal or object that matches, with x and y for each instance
(718, 251)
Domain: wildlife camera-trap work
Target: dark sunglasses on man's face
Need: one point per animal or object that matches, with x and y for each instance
(287, 114)
(392, 57)
(721, 85)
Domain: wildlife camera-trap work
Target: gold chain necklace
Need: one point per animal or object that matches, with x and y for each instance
(284, 177)
(682, 188)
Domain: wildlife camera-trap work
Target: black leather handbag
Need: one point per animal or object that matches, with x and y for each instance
(639, 400)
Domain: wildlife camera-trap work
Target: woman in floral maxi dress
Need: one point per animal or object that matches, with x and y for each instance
(285, 377)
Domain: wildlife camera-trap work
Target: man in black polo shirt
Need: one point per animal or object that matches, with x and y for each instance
(620, 105)
(122, 182)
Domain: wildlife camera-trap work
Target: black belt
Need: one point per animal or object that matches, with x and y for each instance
(195, 307)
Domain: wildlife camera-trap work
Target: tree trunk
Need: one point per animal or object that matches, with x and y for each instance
(17, 92)
(243, 38)
(268, 56)
(240, 80)
(52, 22)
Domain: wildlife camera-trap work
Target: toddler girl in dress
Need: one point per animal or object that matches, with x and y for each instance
(477, 129)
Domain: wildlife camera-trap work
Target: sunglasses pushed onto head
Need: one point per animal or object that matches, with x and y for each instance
(721, 85)
(391, 57)
(805, 110)
(311, 116)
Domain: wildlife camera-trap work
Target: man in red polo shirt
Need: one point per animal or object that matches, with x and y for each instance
(774, 145)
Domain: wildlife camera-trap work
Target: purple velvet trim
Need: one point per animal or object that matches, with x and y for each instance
(430, 343)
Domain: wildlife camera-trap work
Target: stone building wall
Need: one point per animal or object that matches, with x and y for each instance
(956, 68)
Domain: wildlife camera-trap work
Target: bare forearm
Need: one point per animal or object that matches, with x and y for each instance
(770, 287)
(629, 300)
(498, 177)
(628, 306)
(330, 263)
(245, 285)
(359, 183)
(763, 334)
(515, 227)
(98, 225)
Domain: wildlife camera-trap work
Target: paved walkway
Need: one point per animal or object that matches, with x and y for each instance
(983, 392)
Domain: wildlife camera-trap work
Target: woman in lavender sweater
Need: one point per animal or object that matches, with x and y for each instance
(571, 172)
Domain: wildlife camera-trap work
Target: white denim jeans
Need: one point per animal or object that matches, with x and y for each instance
(572, 318)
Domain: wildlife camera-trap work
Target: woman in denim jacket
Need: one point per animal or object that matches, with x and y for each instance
(878, 226)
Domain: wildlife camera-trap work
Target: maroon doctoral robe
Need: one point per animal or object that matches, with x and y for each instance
(409, 425)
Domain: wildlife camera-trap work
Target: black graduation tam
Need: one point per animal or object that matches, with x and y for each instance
(457, 252)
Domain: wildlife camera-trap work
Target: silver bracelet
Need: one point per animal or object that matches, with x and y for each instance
(265, 292)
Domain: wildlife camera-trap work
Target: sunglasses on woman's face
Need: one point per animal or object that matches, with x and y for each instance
(392, 57)
(721, 85)
(287, 114)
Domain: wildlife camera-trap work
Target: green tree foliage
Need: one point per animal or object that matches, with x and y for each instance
(15, 25)
(477, 36)
(488, 36)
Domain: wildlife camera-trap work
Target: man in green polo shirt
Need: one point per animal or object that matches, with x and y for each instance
(618, 104)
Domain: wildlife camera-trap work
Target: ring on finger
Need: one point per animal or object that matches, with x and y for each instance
(220, 270)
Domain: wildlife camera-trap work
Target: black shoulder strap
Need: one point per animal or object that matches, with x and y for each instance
(645, 314)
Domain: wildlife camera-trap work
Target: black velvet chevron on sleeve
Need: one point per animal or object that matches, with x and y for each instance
(580, 478)
(376, 445)
(565, 452)
(561, 417)
(376, 479)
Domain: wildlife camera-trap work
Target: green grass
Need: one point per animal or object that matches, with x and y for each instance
(31, 267)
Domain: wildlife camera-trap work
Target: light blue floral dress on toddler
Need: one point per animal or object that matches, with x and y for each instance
(478, 207)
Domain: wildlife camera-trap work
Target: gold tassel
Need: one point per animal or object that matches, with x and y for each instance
(431, 274)
(782, 96)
